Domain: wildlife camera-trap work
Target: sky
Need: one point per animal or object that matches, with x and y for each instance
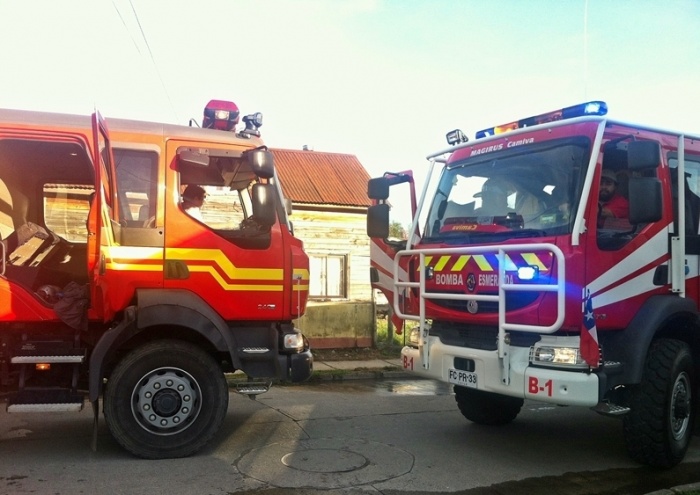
(380, 79)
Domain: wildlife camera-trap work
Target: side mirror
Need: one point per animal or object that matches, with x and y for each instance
(645, 200)
(261, 162)
(378, 221)
(643, 155)
(378, 188)
(263, 202)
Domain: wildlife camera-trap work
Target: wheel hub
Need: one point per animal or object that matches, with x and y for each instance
(680, 406)
(166, 401)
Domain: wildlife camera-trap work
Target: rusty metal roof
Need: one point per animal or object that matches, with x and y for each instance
(322, 178)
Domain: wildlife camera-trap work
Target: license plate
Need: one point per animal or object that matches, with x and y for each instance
(462, 378)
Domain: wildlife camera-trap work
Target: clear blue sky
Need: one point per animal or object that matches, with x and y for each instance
(380, 79)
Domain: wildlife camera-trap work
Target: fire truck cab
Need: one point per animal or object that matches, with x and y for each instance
(109, 287)
(555, 259)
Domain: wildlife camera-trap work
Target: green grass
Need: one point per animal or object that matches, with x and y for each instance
(383, 335)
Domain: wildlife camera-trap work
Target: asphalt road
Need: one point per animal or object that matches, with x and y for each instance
(389, 437)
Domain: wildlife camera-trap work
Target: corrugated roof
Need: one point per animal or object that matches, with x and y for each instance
(322, 178)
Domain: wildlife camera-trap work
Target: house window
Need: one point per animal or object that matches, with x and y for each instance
(327, 276)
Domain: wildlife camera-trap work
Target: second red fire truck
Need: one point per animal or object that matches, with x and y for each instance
(518, 283)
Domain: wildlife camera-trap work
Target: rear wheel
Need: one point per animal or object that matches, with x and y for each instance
(658, 429)
(165, 399)
(485, 408)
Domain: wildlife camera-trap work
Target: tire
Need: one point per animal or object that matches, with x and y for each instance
(659, 427)
(165, 399)
(485, 408)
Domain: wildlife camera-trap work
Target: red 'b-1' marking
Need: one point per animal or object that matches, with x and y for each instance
(534, 387)
(407, 363)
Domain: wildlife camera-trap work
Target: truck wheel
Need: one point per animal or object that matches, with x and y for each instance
(485, 408)
(659, 426)
(165, 399)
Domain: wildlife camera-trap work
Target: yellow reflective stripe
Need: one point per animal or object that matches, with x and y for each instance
(232, 271)
(532, 259)
(509, 265)
(441, 263)
(133, 267)
(227, 286)
(461, 261)
(483, 263)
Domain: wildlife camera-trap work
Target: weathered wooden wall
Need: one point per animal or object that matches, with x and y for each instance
(338, 233)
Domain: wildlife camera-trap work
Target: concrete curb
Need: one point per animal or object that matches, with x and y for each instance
(375, 369)
(676, 490)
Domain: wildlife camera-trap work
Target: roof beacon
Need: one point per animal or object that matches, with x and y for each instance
(581, 110)
(222, 115)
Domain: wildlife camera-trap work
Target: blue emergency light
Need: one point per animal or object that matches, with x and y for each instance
(581, 110)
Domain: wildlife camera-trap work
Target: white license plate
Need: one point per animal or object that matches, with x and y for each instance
(462, 378)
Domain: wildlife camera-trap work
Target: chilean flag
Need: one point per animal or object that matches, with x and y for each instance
(590, 351)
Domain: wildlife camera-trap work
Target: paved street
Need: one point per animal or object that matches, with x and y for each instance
(389, 436)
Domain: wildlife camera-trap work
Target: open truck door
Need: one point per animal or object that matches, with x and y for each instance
(102, 210)
(389, 234)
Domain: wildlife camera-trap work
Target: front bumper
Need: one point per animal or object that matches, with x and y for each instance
(297, 367)
(563, 387)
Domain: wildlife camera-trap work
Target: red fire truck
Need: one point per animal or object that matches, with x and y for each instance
(109, 287)
(519, 282)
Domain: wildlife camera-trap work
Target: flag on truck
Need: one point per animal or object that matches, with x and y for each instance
(590, 351)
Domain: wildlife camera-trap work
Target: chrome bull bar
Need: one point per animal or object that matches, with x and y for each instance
(558, 286)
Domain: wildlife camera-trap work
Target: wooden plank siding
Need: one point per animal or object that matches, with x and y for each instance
(338, 233)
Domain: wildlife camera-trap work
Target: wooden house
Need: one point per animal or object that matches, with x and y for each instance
(328, 192)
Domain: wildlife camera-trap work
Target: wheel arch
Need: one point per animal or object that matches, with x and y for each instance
(156, 314)
(660, 316)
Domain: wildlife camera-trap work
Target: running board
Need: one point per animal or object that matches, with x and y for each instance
(608, 409)
(252, 389)
(41, 354)
(45, 400)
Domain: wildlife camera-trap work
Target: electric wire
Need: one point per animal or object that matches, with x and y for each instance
(150, 53)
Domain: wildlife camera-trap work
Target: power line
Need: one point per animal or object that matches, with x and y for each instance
(153, 61)
(136, 45)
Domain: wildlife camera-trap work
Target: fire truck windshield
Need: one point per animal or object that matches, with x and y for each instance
(531, 190)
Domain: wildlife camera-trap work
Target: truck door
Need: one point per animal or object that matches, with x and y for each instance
(691, 212)
(626, 257)
(102, 214)
(389, 222)
(213, 247)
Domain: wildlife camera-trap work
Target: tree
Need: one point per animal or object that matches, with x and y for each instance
(397, 231)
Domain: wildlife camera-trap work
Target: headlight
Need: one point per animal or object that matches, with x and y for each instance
(565, 354)
(293, 341)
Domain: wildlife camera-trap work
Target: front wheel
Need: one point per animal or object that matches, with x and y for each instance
(485, 408)
(165, 399)
(659, 427)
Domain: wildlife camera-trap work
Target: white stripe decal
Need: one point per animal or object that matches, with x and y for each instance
(637, 260)
(386, 262)
(634, 286)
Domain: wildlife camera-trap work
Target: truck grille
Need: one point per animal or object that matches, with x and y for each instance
(514, 300)
(481, 337)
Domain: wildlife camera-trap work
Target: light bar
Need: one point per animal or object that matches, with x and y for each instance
(581, 110)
